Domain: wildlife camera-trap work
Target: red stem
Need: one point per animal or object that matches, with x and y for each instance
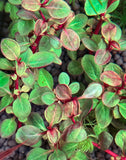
(98, 27)
(43, 17)
(34, 46)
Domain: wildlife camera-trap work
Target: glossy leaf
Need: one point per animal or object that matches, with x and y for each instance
(26, 15)
(57, 154)
(95, 7)
(63, 92)
(120, 139)
(75, 87)
(110, 99)
(70, 39)
(21, 108)
(29, 78)
(64, 78)
(55, 42)
(20, 68)
(111, 78)
(4, 79)
(36, 120)
(90, 44)
(32, 5)
(37, 154)
(40, 27)
(102, 57)
(5, 64)
(58, 9)
(48, 98)
(53, 135)
(91, 68)
(8, 127)
(53, 114)
(5, 101)
(122, 108)
(10, 49)
(112, 6)
(15, 2)
(94, 90)
(74, 133)
(103, 115)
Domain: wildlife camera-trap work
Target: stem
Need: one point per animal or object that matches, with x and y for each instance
(34, 46)
(98, 27)
(45, 2)
(43, 17)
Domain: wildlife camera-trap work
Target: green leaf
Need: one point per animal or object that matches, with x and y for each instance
(21, 108)
(5, 64)
(72, 54)
(29, 78)
(70, 39)
(36, 120)
(53, 135)
(79, 21)
(13, 12)
(58, 9)
(74, 67)
(10, 49)
(15, 2)
(91, 68)
(37, 154)
(5, 101)
(95, 7)
(64, 78)
(4, 79)
(122, 108)
(40, 27)
(120, 139)
(57, 155)
(75, 87)
(20, 68)
(8, 127)
(44, 44)
(48, 98)
(28, 134)
(79, 155)
(26, 15)
(103, 115)
(122, 44)
(38, 144)
(45, 79)
(90, 44)
(53, 114)
(94, 90)
(112, 6)
(55, 42)
(74, 133)
(1, 6)
(110, 99)
(111, 78)
(32, 5)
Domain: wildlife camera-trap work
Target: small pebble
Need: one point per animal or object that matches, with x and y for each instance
(117, 56)
(119, 61)
(124, 53)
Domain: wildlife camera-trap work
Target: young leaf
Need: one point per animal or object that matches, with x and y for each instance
(91, 68)
(112, 6)
(53, 114)
(75, 87)
(15, 2)
(63, 92)
(94, 90)
(36, 120)
(64, 78)
(120, 139)
(29, 78)
(58, 9)
(8, 127)
(20, 68)
(53, 135)
(28, 134)
(122, 108)
(70, 39)
(5, 101)
(45, 79)
(32, 5)
(10, 49)
(74, 133)
(48, 98)
(57, 154)
(103, 115)
(21, 108)
(4, 79)
(102, 57)
(37, 154)
(110, 99)
(111, 78)
(90, 44)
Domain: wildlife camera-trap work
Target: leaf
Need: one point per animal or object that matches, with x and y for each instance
(70, 39)
(8, 127)
(55, 42)
(113, 5)
(28, 134)
(91, 68)
(10, 49)
(110, 99)
(64, 78)
(5, 101)
(103, 115)
(32, 5)
(36, 120)
(94, 90)
(74, 67)
(90, 44)
(20, 68)
(122, 107)
(63, 92)
(4, 79)
(42, 59)
(79, 155)
(26, 15)
(53, 135)
(102, 57)
(120, 139)
(111, 78)
(45, 79)
(105, 140)
(53, 114)
(122, 44)
(29, 78)
(37, 154)
(74, 133)
(95, 7)
(5, 64)
(15, 2)
(48, 98)
(58, 9)
(21, 108)
(75, 87)
(57, 154)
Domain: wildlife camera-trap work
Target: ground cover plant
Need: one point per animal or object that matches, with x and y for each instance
(79, 118)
